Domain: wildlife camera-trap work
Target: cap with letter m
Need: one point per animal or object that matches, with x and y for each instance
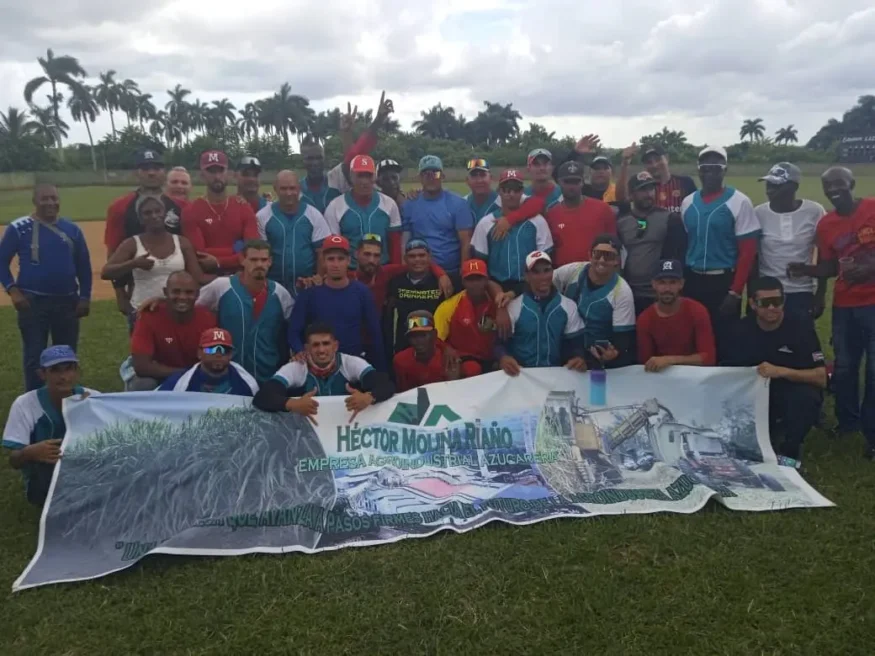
(215, 337)
(474, 268)
(214, 158)
(510, 175)
(669, 269)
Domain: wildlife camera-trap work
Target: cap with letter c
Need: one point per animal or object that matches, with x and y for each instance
(335, 243)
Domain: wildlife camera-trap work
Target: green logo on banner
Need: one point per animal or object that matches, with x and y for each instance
(414, 413)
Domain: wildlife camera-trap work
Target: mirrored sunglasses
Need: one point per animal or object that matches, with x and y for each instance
(372, 236)
(419, 322)
(607, 256)
(218, 349)
(477, 164)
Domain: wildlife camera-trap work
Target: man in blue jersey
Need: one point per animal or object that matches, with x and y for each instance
(442, 219)
(52, 290)
(35, 426)
(323, 371)
(294, 230)
(549, 331)
(254, 309)
(366, 211)
(215, 373)
(604, 301)
(506, 258)
(483, 199)
(722, 235)
(344, 304)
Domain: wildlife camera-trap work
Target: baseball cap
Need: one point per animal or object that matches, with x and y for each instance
(413, 244)
(335, 243)
(214, 158)
(149, 156)
(782, 173)
(601, 159)
(420, 321)
(510, 175)
(431, 163)
(536, 256)
(388, 165)
(659, 151)
(215, 337)
(249, 162)
(474, 268)
(362, 164)
(57, 354)
(539, 152)
(669, 269)
(477, 164)
(720, 150)
(570, 169)
(641, 180)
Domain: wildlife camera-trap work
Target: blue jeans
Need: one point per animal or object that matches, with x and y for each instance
(55, 315)
(853, 335)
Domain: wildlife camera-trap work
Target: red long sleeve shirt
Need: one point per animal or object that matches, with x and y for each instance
(215, 229)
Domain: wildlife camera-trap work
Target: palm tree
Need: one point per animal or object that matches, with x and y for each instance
(163, 128)
(16, 125)
(84, 109)
(286, 113)
(247, 124)
(129, 91)
(63, 70)
(787, 135)
(144, 108)
(439, 122)
(752, 128)
(222, 114)
(107, 94)
(178, 108)
(198, 117)
(46, 127)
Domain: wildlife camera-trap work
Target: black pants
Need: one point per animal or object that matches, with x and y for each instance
(711, 291)
(794, 409)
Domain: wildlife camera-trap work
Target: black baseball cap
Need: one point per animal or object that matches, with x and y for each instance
(570, 169)
(602, 159)
(249, 162)
(659, 151)
(669, 269)
(642, 180)
(148, 156)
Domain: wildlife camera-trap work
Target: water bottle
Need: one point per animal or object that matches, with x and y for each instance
(598, 387)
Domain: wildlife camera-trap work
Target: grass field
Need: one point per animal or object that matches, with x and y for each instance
(715, 582)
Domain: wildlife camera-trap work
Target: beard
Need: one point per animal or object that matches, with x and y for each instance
(218, 187)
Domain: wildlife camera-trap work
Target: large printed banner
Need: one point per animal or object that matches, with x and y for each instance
(201, 474)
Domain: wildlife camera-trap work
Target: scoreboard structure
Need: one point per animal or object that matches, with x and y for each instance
(860, 149)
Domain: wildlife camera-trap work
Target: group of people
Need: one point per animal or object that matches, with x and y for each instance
(341, 283)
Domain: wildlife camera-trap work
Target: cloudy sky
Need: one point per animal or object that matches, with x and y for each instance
(620, 69)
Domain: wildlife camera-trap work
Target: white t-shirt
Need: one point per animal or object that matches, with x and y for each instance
(788, 238)
(151, 283)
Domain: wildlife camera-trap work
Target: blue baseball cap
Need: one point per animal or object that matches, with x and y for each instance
(416, 243)
(57, 354)
(431, 163)
(669, 269)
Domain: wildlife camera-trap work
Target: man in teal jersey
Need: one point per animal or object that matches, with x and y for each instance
(483, 199)
(294, 230)
(35, 427)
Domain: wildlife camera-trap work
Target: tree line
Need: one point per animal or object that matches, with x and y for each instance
(33, 138)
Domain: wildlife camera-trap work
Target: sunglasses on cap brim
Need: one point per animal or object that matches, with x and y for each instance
(419, 323)
(477, 164)
(218, 349)
(370, 236)
(712, 167)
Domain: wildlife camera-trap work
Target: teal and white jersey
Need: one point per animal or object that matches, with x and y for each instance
(348, 369)
(506, 258)
(347, 218)
(33, 418)
(555, 196)
(293, 241)
(490, 205)
(605, 310)
(539, 328)
(714, 228)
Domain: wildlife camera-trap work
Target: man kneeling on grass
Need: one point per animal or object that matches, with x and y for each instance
(215, 373)
(35, 426)
(323, 372)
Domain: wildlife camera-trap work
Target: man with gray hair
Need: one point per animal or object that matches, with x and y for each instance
(789, 226)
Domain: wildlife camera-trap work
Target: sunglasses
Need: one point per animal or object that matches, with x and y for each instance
(218, 349)
(477, 164)
(712, 168)
(419, 322)
(607, 256)
(774, 301)
(642, 228)
(371, 236)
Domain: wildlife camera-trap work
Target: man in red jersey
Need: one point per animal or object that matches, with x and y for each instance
(846, 247)
(165, 341)
(424, 361)
(218, 224)
(675, 329)
(672, 189)
(577, 220)
(122, 220)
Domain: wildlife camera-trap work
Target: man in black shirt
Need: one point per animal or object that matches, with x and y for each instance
(415, 289)
(787, 351)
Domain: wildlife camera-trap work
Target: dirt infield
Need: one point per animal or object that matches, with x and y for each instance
(102, 290)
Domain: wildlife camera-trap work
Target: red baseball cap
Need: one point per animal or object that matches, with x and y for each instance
(336, 242)
(215, 337)
(214, 158)
(510, 174)
(362, 164)
(474, 268)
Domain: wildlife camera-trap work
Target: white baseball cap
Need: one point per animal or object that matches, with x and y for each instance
(537, 256)
(720, 150)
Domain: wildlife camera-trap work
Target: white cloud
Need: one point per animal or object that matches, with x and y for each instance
(621, 69)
